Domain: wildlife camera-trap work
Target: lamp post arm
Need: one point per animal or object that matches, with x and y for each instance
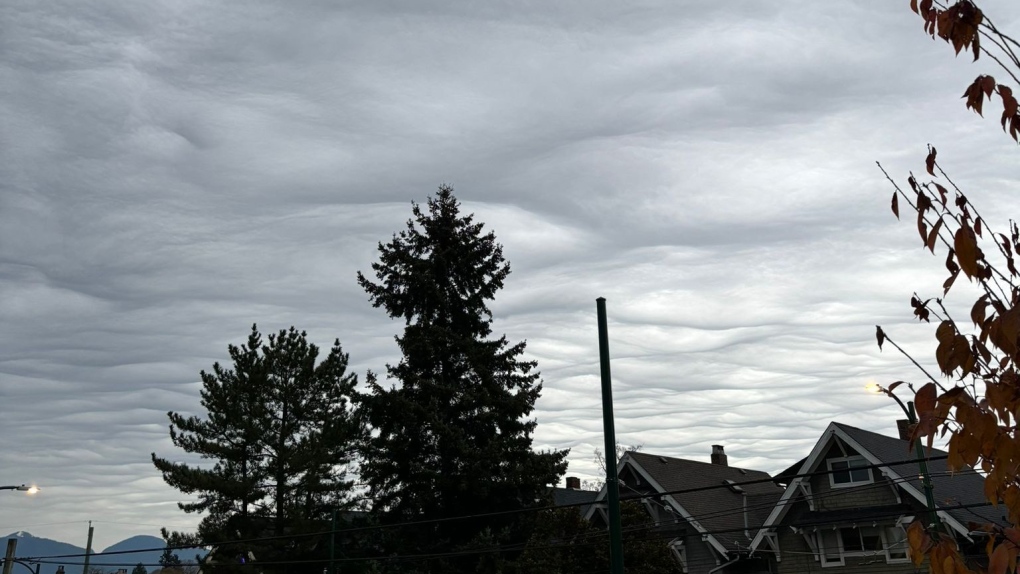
(922, 463)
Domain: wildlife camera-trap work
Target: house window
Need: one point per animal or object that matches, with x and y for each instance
(849, 471)
(680, 553)
(864, 540)
(896, 546)
(830, 550)
(835, 545)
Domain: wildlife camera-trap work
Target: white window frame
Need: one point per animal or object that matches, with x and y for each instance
(679, 550)
(849, 469)
(822, 547)
(843, 553)
(886, 544)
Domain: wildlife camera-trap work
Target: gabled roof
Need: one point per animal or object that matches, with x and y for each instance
(573, 497)
(963, 487)
(717, 512)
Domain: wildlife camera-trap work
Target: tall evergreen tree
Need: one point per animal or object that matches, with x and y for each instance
(281, 431)
(454, 436)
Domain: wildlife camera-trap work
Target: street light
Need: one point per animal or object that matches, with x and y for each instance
(908, 409)
(25, 488)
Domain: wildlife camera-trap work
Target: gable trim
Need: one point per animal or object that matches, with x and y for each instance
(636, 467)
(784, 503)
(831, 433)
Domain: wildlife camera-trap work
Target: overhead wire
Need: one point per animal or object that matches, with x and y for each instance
(488, 514)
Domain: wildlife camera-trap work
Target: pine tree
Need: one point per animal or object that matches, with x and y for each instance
(281, 431)
(454, 438)
(139, 569)
(168, 559)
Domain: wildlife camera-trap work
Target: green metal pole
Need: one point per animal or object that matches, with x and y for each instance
(12, 545)
(612, 479)
(88, 551)
(929, 496)
(332, 540)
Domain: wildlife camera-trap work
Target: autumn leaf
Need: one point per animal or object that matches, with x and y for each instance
(948, 283)
(977, 312)
(951, 265)
(942, 194)
(896, 205)
(965, 245)
(929, 162)
(933, 236)
(919, 542)
(999, 560)
(975, 45)
(880, 335)
(925, 398)
(987, 85)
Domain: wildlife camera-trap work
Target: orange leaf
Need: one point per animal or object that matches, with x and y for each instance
(977, 312)
(950, 395)
(951, 265)
(933, 235)
(929, 162)
(942, 193)
(948, 283)
(975, 44)
(999, 560)
(987, 85)
(925, 398)
(966, 248)
(919, 542)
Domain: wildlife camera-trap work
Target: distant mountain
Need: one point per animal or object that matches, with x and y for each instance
(153, 549)
(31, 546)
(137, 549)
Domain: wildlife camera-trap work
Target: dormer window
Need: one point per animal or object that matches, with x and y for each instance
(849, 471)
(733, 486)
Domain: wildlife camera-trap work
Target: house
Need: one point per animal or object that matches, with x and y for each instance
(847, 505)
(707, 512)
(573, 495)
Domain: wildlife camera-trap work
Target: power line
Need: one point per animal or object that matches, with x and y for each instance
(587, 540)
(480, 515)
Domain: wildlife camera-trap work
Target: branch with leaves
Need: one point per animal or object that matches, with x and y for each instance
(977, 402)
(964, 26)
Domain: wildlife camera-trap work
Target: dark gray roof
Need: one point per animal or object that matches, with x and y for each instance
(719, 509)
(572, 496)
(964, 487)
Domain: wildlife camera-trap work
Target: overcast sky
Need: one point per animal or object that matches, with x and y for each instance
(173, 171)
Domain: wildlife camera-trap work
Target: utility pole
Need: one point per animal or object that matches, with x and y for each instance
(12, 544)
(612, 479)
(88, 551)
(332, 543)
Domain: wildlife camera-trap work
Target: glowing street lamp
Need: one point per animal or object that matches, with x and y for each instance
(908, 409)
(22, 487)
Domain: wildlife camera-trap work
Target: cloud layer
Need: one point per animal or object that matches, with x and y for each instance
(172, 172)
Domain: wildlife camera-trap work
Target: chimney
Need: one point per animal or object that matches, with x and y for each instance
(574, 482)
(903, 425)
(718, 456)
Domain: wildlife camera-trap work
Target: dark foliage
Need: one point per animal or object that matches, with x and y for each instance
(452, 437)
(281, 431)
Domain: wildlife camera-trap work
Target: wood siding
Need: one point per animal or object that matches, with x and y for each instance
(797, 558)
